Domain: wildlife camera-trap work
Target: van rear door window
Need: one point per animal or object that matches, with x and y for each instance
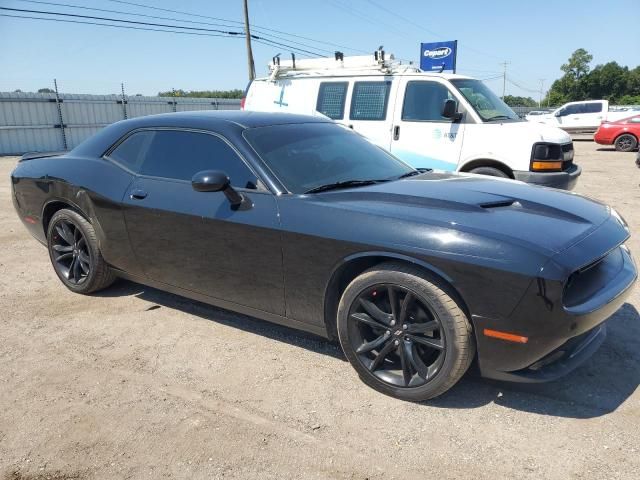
(369, 100)
(331, 97)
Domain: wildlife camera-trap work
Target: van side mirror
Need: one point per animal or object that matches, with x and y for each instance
(450, 110)
(217, 181)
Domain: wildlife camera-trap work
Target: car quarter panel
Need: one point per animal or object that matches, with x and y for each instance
(94, 187)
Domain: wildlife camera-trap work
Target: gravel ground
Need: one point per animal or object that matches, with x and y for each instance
(137, 383)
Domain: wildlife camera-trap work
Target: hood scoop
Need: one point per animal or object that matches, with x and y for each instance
(501, 203)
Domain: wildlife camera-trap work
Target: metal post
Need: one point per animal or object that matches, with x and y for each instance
(64, 136)
(247, 34)
(124, 101)
(504, 78)
(175, 102)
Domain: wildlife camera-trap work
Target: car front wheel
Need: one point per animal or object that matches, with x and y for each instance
(403, 333)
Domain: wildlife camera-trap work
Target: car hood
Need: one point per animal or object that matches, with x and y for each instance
(543, 219)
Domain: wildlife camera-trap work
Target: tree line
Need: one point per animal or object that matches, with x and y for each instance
(611, 81)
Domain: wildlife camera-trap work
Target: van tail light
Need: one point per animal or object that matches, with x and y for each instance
(242, 103)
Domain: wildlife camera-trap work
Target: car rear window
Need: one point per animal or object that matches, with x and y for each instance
(369, 100)
(331, 99)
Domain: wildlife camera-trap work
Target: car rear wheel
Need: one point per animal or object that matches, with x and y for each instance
(491, 171)
(626, 143)
(403, 333)
(75, 254)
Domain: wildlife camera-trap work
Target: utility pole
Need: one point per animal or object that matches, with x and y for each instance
(247, 33)
(541, 80)
(504, 78)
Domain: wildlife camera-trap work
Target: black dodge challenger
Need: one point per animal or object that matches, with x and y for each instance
(302, 222)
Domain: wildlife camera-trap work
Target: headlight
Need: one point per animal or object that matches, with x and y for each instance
(546, 157)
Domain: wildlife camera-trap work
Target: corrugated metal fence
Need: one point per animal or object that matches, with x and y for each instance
(41, 122)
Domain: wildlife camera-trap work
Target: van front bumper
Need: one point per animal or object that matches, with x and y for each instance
(564, 180)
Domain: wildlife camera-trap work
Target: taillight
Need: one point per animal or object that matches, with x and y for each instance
(242, 103)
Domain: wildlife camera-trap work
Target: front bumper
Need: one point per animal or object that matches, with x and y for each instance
(562, 315)
(565, 180)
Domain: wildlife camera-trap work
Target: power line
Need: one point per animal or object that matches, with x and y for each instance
(196, 22)
(162, 25)
(253, 26)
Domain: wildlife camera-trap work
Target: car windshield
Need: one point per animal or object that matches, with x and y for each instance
(309, 156)
(486, 103)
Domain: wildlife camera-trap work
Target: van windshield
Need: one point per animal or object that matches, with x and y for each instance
(486, 103)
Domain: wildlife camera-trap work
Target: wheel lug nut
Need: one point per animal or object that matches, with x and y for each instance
(404, 327)
(387, 333)
(397, 342)
(393, 322)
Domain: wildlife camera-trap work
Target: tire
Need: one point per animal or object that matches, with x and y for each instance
(626, 143)
(429, 305)
(490, 171)
(82, 270)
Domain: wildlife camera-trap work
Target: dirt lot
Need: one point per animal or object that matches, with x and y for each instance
(136, 383)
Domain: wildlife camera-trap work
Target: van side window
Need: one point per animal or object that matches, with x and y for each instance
(331, 98)
(423, 102)
(369, 100)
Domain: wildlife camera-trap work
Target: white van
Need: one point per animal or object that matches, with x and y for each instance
(429, 120)
(580, 117)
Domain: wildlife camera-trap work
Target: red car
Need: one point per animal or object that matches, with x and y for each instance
(624, 134)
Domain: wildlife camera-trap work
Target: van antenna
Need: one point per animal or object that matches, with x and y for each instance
(293, 60)
(339, 55)
(276, 59)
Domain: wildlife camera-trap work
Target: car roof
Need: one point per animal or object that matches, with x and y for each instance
(213, 119)
(224, 122)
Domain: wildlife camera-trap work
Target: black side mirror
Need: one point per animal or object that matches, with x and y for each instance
(450, 110)
(217, 181)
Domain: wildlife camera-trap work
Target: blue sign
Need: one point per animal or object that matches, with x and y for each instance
(438, 56)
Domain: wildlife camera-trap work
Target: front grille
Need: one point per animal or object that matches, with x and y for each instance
(591, 278)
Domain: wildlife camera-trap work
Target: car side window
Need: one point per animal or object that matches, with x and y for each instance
(571, 109)
(593, 107)
(369, 100)
(634, 120)
(180, 155)
(331, 99)
(131, 151)
(423, 101)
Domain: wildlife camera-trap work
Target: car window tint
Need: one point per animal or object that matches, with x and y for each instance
(331, 97)
(634, 120)
(306, 155)
(423, 101)
(180, 155)
(593, 107)
(369, 100)
(131, 151)
(571, 109)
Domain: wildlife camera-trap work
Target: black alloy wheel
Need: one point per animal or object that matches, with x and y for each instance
(75, 253)
(404, 331)
(396, 336)
(625, 143)
(71, 254)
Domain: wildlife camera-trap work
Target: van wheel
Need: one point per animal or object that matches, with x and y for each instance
(491, 171)
(625, 143)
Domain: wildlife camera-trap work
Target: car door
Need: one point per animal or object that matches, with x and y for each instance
(196, 240)
(369, 109)
(570, 116)
(422, 137)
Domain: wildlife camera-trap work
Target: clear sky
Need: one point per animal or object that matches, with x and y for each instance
(535, 37)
